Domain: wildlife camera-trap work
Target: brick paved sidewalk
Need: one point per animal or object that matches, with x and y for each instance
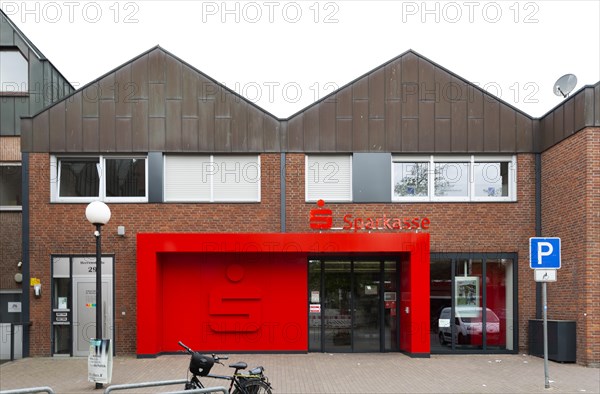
(326, 373)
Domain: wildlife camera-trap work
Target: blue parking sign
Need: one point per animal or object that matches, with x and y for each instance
(544, 253)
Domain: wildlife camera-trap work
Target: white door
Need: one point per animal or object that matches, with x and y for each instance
(84, 304)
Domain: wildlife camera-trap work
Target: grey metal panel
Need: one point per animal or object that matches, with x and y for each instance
(344, 103)
(491, 124)
(547, 131)
(255, 130)
(189, 104)
(47, 92)
(21, 109)
(508, 129)
(41, 133)
(157, 101)
(427, 88)
(155, 177)
(6, 33)
(19, 43)
(410, 135)
(377, 94)
(360, 89)
(524, 133)
(239, 126)
(7, 116)
(223, 135)
(272, 134)
(426, 126)
(588, 110)
(475, 105)
(91, 140)
(139, 77)
(90, 102)
(26, 135)
(559, 120)
(327, 132)
(569, 106)
(156, 136)
(371, 176)
(393, 79)
(124, 91)
(173, 71)
(106, 126)
(393, 125)
(189, 134)
(476, 135)
(443, 105)
(57, 127)
(443, 141)
(410, 86)
(223, 103)
(206, 124)
(579, 119)
(460, 136)
(139, 125)
(343, 137)
(123, 130)
(106, 87)
(376, 135)
(311, 129)
(173, 126)
(36, 82)
(295, 133)
(156, 67)
(360, 125)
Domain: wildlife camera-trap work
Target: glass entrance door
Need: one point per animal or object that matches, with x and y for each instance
(352, 306)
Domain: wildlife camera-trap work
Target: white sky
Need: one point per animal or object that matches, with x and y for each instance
(283, 55)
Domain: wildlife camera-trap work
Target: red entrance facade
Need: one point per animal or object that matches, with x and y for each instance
(249, 292)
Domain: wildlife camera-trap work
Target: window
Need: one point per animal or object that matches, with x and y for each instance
(209, 178)
(111, 179)
(10, 186)
(453, 178)
(328, 177)
(473, 303)
(14, 72)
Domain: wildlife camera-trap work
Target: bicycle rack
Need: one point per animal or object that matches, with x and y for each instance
(29, 390)
(129, 386)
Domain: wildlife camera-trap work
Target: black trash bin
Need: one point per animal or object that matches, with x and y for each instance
(562, 341)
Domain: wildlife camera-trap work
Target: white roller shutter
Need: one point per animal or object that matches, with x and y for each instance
(329, 177)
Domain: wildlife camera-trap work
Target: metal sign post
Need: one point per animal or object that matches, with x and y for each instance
(544, 258)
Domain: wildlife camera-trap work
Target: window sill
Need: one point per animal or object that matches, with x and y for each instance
(9, 208)
(14, 94)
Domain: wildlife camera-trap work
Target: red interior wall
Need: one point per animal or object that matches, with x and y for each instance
(234, 301)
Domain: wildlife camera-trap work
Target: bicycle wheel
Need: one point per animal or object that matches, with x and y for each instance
(254, 386)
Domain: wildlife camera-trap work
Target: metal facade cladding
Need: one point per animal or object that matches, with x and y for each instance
(248, 291)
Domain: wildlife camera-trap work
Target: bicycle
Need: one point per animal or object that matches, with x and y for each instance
(251, 382)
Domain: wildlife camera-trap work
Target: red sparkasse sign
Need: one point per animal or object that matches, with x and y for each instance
(322, 219)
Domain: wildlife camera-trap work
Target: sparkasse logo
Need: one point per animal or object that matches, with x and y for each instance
(320, 219)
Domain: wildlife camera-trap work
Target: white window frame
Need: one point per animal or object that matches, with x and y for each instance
(13, 207)
(471, 160)
(101, 166)
(211, 160)
(324, 197)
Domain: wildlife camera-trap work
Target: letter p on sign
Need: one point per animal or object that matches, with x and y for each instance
(544, 253)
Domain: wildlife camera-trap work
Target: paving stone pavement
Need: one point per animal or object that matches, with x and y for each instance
(325, 373)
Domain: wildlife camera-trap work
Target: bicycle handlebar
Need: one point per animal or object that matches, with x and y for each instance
(214, 356)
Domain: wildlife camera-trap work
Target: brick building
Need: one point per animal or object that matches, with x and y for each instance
(28, 83)
(392, 215)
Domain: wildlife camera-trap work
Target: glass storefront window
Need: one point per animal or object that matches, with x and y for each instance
(472, 303)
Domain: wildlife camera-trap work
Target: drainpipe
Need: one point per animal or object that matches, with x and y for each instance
(282, 216)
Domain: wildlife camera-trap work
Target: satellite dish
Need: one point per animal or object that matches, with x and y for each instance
(565, 85)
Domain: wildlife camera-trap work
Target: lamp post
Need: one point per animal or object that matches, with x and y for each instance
(98, 214)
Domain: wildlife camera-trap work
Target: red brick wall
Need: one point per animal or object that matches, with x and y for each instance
(10, 248)
(63, 229)
(571, 211)
(455, 227)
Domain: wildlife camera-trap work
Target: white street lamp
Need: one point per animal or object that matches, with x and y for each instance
(98, 214)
